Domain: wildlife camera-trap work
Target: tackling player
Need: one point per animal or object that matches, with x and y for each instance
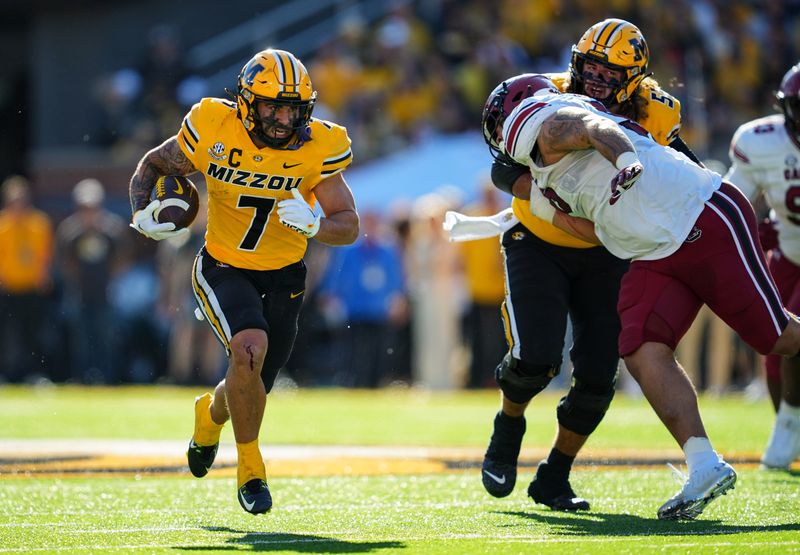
(692, 239)
(766, 164)
(610, 64)
(266, 162)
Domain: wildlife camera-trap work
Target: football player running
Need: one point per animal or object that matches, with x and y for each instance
(266, 162)
(552, 274)
(692, 239)
(766, 164)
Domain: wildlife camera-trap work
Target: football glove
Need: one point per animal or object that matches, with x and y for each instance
(630, 170)
(145, 223)
(295, 213)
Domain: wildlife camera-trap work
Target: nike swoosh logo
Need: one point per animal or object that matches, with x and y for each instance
(248, 506)
(178, 187)
(295, 295)
(287, 166)
(499, 479)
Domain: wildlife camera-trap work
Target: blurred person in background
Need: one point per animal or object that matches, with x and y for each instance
(266, 162)
(765, 156)
(609, 64)
(89, 242)
(483, 266)
(365, 286)
(26, 244)
(193, 356)
(437, 295)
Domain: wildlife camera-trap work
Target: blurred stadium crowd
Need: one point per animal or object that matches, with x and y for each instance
(85, 299)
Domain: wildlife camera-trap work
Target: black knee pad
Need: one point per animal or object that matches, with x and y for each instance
(520, 381)
(584, 406)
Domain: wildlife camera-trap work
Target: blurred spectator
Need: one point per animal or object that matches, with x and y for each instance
(484, 271)
(193, 353)
(437, 296)
(89, 242)
(365, 288)
(26, 244)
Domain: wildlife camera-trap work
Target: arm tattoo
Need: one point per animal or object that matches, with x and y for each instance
(573, 129)
(167, 159)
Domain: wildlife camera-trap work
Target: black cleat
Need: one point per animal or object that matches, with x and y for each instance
(254, 497)
(554, 491)
(201, 458)
(499, 469)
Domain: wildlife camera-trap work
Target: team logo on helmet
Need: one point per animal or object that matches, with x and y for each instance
(278, 78)
(615, 44)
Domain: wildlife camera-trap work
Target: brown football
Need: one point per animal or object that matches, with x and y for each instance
(179, 200)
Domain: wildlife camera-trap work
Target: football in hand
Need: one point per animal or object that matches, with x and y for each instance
(179, 200)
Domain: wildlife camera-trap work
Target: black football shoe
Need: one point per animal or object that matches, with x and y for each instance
(499, 469)
(553, 490)
(254, 497)
(201, 458)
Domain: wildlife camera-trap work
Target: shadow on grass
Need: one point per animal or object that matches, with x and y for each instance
(605, 524)
(299, 543)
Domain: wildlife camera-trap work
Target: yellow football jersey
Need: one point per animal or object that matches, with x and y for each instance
(246, 183)
(663, 121)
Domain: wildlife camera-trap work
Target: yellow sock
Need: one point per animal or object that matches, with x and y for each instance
(206, 431)
(251, 464)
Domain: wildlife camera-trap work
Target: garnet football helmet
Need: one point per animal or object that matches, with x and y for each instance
(789, 102)
(278, 78)
(615, 44)
(503, 99)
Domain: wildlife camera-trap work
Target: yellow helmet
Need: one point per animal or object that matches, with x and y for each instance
(275, 77)
(618, 45)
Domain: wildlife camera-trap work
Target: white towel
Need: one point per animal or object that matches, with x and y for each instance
(469, 228)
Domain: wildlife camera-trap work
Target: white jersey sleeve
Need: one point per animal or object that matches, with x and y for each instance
(766, 160)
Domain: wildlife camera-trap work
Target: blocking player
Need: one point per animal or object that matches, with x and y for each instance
(692, 239)
(609, 63)
(266, 162)
(765, 154)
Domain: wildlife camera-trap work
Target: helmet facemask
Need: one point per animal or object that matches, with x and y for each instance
(502, 101)
(278, 79)
(617, 45)
(788, 97)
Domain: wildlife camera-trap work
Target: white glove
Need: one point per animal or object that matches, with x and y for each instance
(541, 206)
(145, 223)
(297, 214)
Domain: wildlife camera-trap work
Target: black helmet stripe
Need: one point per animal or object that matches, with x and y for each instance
(288, 71)
(608, 32)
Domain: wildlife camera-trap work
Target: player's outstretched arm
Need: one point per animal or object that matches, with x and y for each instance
(165, 159)
(340, 224)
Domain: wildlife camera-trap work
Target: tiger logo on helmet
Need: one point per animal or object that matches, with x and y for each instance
(617, 45)
(275, 77)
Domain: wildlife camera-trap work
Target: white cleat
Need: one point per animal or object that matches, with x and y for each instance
(784, 443)
(701, 488)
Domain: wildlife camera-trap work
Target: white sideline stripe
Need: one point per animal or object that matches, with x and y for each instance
(373, 539)
(157, 448)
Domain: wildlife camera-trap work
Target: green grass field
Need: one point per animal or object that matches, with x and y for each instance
(377, 512)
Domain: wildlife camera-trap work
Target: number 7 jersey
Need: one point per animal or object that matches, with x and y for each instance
(246, 183)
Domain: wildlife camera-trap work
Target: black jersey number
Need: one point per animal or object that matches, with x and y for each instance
(263, 207)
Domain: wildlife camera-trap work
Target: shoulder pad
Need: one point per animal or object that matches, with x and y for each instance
(335, 144)
(560, 80)
(202, 121)
(759, 141)
(663, 119)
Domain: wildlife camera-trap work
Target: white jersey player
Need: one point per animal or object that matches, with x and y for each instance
(692, 239)
(657, 218)
(766, 163)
